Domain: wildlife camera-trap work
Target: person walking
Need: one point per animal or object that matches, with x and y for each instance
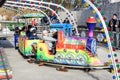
(115, 28)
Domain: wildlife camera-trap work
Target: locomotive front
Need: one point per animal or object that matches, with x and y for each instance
(91, 41)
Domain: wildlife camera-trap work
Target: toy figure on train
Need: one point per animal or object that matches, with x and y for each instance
(69, 49)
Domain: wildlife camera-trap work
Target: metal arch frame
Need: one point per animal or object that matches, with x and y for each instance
(33, 9)
(66, 10)
(53, 4)
(107, 35)
(35, 6)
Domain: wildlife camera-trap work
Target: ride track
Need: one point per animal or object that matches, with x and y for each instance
(116, 75)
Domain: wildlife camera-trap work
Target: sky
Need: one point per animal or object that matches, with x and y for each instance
(113, 1)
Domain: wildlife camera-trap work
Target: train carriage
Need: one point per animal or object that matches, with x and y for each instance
(69, 49)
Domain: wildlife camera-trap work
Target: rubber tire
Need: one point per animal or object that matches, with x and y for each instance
(2, 2)
(87, 70)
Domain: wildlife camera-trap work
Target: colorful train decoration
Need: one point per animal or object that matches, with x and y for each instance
(89, 4)
(70, 49)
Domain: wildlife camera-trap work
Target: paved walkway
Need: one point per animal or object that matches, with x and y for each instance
(22, 70)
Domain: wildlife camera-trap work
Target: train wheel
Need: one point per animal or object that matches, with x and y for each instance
(87, 70)
(37, 61)
(70, 58)
(30, 60)
(63, 69)
(41, 63)
(59, 58)
(81, 59)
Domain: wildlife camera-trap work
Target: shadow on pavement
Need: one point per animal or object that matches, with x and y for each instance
(93, 76)
(5, 43)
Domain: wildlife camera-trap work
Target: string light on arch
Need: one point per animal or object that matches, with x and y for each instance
(102, 23)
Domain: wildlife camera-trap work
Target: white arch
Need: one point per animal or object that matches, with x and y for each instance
(53, 4)
(35, 7)
(107, 36)
(31, 9)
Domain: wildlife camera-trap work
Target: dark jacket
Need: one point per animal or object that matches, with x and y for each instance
(66, 21)
(112, 24)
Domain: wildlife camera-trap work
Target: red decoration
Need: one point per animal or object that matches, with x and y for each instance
(23, 1)
(111, 39)
(116, 60)
(92, 1)
(32, 2)
(99, 9)
(91, 20)
(119, 71)
(114, 49)
(108, 28)
(104, 18)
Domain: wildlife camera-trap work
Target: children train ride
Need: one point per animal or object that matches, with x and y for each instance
(69, 49)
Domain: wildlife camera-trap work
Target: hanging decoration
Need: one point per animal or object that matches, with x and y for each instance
(108, 38)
